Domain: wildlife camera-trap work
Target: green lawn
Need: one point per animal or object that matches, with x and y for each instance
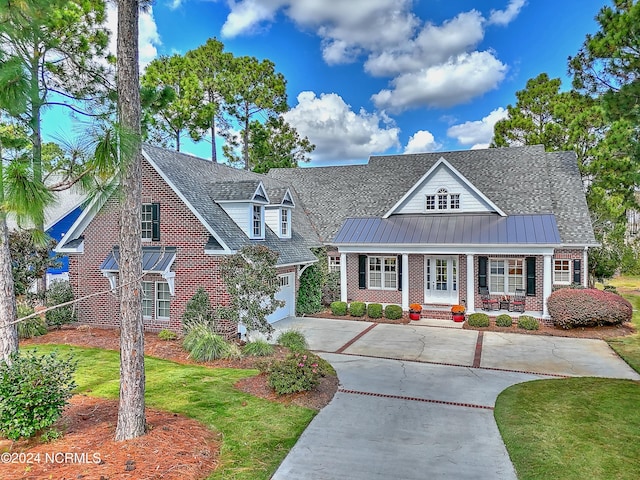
(257, 434)
(577, 428)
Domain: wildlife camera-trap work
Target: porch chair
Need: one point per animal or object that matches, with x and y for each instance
(517, 302)
(488, 303)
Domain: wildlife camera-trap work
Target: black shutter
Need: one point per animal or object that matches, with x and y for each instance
(362, 272)
(155, 221)
(482, 272)
(400, 272)
(531, 276)
(576, 271)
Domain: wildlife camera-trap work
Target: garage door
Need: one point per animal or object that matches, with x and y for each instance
(287, 291)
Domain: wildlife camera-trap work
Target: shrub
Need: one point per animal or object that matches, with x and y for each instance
(331, 288)
(528, 322)
(503, 320)
(167, 335)
(357, 309)
(298, 372)
(60, 292)
(293, 340)
(571, 308)
(33, 392)
(339, 308)
(33, 327)
(393, 312)
(198, 310)
(374, 310)
(310, 291)
(478, 319)
(258, 348)
(204, 345)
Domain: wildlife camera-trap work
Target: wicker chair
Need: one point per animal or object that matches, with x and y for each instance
(518, 300)
(488, 303)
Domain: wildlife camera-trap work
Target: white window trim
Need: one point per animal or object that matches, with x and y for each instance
(151, 298)
(334, 263)
(442, 201)
(505, 275)
(556, 272)
(382, 272)
(252, 233)
(150, 222)
(285, 212)
(157, 301)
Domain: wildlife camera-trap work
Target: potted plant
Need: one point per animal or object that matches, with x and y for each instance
(414, 311)
(457, 313)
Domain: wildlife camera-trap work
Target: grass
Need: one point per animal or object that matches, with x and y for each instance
(572, 428)
(629, 347)
(257, 434)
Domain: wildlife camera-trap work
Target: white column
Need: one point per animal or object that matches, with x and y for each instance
(585, 268)
(546, 290)
(405, 282)
(471, 288)
(343, 277)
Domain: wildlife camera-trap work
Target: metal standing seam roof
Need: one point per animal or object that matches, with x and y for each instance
(451, 229)
(154, 259)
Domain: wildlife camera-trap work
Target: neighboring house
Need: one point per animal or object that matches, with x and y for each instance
(194, 213)
(434, 228)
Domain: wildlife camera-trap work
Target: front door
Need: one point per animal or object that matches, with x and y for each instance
(440, 279)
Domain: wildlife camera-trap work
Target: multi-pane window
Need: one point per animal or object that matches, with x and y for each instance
(256, 221)
(383, 273)
(454, 201)
(505, 276)
(442, 200)
(334, 263)
(163, 300)
(147, 221)
(430, 202)
(562, 271)
(284, 222)
(147, 299)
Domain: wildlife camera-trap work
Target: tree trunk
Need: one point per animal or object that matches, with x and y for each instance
(214, 153)
(245, 146)
(131, 410)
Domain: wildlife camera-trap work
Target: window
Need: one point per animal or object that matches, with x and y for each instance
(454, 201)
(562, 271)
(442, 199)
(150, 221)
(506, 275)
(256, 222)
(283, 281)
(163, 300)
(147, 299)
(431, 202)
(383, 273)
(284, 222)
(334, 263)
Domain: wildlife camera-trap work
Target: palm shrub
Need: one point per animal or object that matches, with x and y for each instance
(204, 345)
(34, 390)
(374, 310)
(293, 340)
(528, 322)
(357, 309)
(57, 293)
(33, 327)
(258, 348)
(590, 307)
(339, 308)
(504, 320)
(393, 312)
(478, 319)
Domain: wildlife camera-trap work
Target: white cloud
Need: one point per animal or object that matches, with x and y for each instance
(479, 132)
(174, 4)
(337, 131)
(422, 141)
(504, 17)
(149, 38)
(457, 81)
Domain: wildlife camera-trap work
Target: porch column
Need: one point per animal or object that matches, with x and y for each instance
(343, 277)
(471, 290)
(548, 281)
(405, 282)
(585, 268)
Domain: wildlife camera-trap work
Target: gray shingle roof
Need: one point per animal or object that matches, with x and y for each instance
(194, 178)
(520, 181)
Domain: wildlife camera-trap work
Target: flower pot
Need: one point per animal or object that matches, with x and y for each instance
(414, 315)
(458, 317)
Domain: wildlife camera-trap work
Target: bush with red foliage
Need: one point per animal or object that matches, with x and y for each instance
(590, 307)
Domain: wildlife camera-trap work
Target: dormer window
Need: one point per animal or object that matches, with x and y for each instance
(442, 200)
(285, 223)
(257, 221)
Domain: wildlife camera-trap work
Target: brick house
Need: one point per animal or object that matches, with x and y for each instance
(194, 213)
(436, 228)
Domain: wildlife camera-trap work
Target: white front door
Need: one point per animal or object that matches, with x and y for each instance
(286, 293)
(440, 279)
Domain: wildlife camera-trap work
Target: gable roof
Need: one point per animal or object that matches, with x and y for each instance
(518, 180)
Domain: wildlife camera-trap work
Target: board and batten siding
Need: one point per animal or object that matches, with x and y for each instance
(442, 177)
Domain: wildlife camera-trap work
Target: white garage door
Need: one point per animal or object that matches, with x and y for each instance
(287, 291)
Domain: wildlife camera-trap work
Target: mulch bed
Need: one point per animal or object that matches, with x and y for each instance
(175, 448)
(602, 333)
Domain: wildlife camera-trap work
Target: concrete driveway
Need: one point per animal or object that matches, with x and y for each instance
(416, 402)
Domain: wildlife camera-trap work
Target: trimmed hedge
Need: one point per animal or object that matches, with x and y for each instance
(528, 322)
(339, 308)
(590, 307)
(478, 319)
(503, 320)
(374, 310)
(393, 312)
(357, 309)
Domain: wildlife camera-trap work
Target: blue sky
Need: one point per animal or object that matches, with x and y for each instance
(368, 77)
